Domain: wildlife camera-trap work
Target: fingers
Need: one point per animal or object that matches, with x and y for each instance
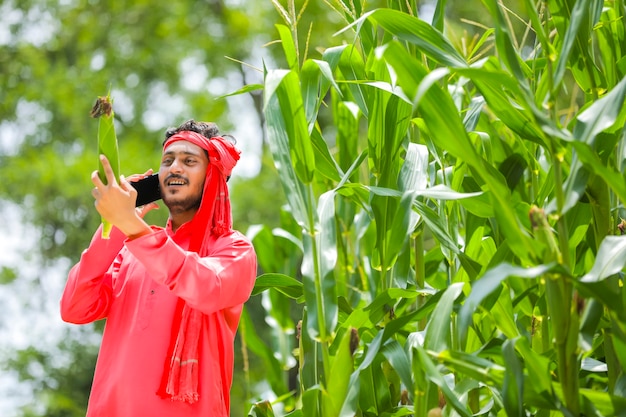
(108, 171)
(95, 178)
(137, 177)
(125, 185)
(95, 175)
(134, 177)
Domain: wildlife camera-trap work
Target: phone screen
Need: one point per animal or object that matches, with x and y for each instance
(148, 189)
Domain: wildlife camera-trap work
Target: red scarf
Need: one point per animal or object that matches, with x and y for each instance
(180, 377)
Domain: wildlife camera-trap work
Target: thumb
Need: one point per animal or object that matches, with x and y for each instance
(124, 184)
(143, 210)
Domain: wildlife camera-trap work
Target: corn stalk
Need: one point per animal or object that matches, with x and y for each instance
(107, 145)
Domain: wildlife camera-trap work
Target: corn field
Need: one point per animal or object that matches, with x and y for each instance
(453, 240)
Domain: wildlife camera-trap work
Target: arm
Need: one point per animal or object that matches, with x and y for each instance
(223, 279)
(87, 293)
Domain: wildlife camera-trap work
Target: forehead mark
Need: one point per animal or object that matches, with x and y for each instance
(185, 148)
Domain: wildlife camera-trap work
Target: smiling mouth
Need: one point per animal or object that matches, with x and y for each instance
(175, 182)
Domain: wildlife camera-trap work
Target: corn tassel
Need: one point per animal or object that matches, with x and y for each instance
(107, 145)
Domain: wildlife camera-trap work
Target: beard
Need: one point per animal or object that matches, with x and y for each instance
(177, 206)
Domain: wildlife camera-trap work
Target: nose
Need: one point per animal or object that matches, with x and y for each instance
(176, 166)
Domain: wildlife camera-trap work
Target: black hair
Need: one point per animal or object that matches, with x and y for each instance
(206, 129)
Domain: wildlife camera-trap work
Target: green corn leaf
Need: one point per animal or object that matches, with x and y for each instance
(351, 67)
(476, 367)
(538, 368)
(325, 164)
(438, 332)
(603, 114)
(411, 29)
(341, 368)
(284, 284)
(316, 78)
(269, 243)
(284, 105)
(289, 46)
(254, 343)
(604, 403)
(347, 122)
(107, 145)
(574, 22)
(434, 375)
(438, 16)
(610, 44)
(279, 133)
(513, 386)
(397, 357)
(607, 291)
(261, 409)
(491, 281)
(401, 225)
(610, 259)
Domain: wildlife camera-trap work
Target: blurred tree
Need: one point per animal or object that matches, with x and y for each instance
(59, 388)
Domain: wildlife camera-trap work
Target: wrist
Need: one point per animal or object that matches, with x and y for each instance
(136, 229)
(133, 236)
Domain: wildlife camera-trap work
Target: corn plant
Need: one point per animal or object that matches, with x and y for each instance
(107, 145)
(453, 239)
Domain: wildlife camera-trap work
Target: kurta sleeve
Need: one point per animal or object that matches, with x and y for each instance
(221, 280)
(87, 295)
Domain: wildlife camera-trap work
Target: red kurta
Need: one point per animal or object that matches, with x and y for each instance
(135, 285)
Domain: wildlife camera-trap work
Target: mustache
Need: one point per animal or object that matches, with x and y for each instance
(174, 176)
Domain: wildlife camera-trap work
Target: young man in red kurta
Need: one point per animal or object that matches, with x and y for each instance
(171, 297)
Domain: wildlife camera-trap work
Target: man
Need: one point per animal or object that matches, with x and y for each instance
(172, 297)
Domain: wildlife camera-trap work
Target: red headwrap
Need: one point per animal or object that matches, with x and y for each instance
(180, 379)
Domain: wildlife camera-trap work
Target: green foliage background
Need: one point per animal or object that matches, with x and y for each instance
(437, 212)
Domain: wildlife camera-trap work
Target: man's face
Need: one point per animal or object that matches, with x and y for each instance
(181, 176)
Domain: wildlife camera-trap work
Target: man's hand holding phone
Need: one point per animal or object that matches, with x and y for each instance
(147, 186)
(116, 202)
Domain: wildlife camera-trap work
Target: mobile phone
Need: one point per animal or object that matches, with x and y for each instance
(148, 189)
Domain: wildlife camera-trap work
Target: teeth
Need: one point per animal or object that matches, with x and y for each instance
(176, 183)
